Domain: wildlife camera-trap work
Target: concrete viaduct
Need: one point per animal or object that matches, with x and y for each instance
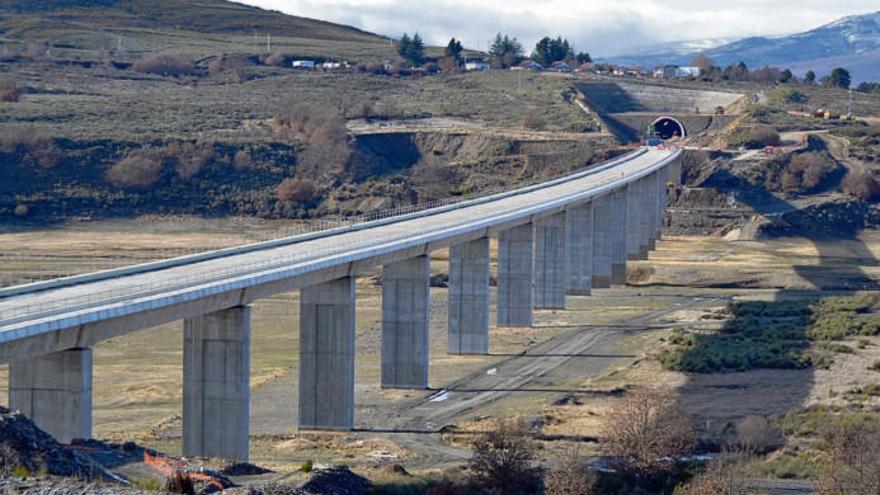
(561, 237)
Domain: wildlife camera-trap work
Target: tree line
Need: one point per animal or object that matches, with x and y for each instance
(505, 51)
(839, 77)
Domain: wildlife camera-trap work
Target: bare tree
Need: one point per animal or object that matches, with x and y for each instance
(757, 435)
(723, 476)
(647, 431)
(502, 459)
(704, 62)
(852, 460)
(570, 477)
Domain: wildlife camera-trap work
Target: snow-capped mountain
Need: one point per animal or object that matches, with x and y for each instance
(854, 40)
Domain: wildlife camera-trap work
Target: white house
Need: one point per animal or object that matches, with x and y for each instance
(688, 72)
(331, 65)
(528, 64)
(478, 65)
(303, 64)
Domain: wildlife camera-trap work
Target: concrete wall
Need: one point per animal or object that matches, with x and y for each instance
(406, 300)
(55, 392)
(216, 384)
(326, 355)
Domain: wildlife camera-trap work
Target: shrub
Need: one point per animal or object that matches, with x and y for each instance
(763, 135)
(502, 459)
(138, 170)
(875, 366)
(723, 476)
(533, 122)
(647, 431)
(570, 477)
(756, 435)
(10, 92)
(242, 160)
(164, 64)
(21, 210)
(46, 156)
(806, 172)
(861, 185)
(190, 158)
(297, 190)
(275, 59)
(180, 483)
(307, 466)
(850, 465)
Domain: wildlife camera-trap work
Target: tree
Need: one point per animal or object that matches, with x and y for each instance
(839, 78)
(704, 62)
(549, 50)
(583, 58)
(569, 476)
(412, 49)
(502, 459)
(853, 454)
(453, 49)
(810, 78)
(647, 431)
(786, 77)
(505, 51)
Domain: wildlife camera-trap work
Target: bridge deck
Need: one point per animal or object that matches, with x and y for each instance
(32, 314)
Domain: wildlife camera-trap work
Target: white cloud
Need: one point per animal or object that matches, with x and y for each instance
(598, 26)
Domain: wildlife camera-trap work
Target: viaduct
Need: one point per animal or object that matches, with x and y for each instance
(561, 237)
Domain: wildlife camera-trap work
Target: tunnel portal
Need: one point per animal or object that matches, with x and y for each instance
(669, 128)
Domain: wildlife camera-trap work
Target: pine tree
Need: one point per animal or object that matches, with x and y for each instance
(453, 49)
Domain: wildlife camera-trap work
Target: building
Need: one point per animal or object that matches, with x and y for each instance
(586, 67)
(560, 66)
(331, 65)
(688, 72)
(676, 72)
(303, 64)
(478, 65)
(528, 64)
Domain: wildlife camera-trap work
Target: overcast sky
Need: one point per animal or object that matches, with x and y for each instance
(601, 27)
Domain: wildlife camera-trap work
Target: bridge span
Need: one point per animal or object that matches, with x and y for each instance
(565, 236)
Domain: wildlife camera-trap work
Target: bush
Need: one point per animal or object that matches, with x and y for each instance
(190, 158)
(180, 483)
(756, 435)
(138, 170)
(723, 476)
(861, 185)
(806, 172)
(10, 92)
(875, 366)
(297, 190)
(570, 477)
(647, 431)
(275, 59)
(850, 465)
(307, 466)
(21, 210)
(163, 64)
(502, 459)
(761, 136)
(242, 160)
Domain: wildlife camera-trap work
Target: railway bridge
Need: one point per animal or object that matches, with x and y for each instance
(565, 236)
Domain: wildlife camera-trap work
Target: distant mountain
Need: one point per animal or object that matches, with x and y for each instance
(852, 42)
(662, 53)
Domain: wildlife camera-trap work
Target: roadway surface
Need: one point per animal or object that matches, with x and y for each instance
(67, 307)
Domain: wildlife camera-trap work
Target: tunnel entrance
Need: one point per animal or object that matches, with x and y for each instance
(668, 128)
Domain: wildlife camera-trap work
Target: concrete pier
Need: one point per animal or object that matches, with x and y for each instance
(662, 181)
(646, 222)
(579, 249)
(634, 207)
(216, 384)
(55, 392)
(602, 242)
(550, 262)
(406, 298)
(515, 276)
(469, 298)
(618, 237)
(326, 355)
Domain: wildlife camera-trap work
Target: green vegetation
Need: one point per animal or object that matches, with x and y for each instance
(307, 466)
(777, 334)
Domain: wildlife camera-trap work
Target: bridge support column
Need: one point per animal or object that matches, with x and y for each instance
(468, 326)
(55, 392)
(406, 302)
(516, 276)
(550, 262)
(662, 181)
(579, 249)
(326, 355)
(216, 384)
(619, 207)
(602, 242)
(634, 209)
(646, 219)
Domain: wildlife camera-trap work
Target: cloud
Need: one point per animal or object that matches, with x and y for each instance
(600, 26)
